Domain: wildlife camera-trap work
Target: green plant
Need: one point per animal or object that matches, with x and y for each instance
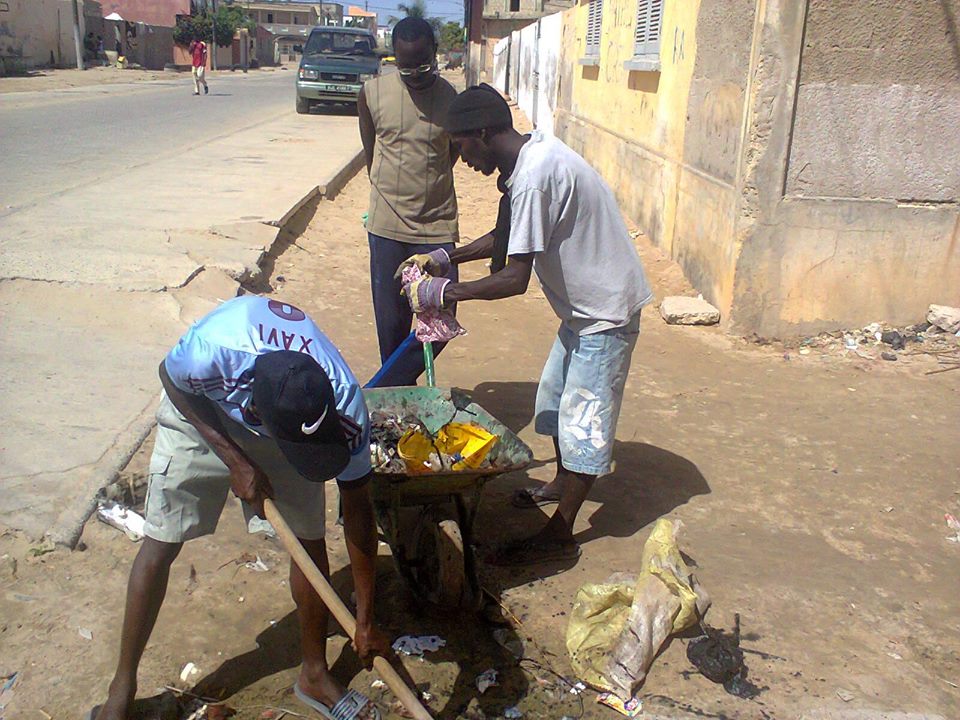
(228, 19)
(451, 37)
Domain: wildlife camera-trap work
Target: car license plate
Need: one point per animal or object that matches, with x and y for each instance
(339, 88)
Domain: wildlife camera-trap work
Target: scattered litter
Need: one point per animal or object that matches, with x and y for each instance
(509, 641)
(804, 351)
(886, 355)
(7, 688)
(85, 633)
(577, 688)
(240, 599)
(258, 524)
(188, 670)
(192, 581)
(257, 566)
(719, 658)
(513, 713)
(399, 709)
(954, 525)
(378, 684)
(632, 708)
(895, 656)
(617, 628)
(47, 546)
(486, 680)
(888, 509)
(849, 342)
(845, 695)
(122, 518)
(418, 644)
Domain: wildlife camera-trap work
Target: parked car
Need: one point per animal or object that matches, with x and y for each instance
(336, 62)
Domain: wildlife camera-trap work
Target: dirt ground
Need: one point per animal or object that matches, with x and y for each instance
(812, 489)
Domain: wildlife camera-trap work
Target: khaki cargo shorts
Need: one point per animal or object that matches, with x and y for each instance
(188, 483)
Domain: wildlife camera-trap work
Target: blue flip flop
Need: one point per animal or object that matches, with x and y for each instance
(349, 707)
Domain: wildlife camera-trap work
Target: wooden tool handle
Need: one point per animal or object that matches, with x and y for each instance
(330, 598)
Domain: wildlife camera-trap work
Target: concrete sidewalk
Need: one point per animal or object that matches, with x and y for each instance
(97, 284)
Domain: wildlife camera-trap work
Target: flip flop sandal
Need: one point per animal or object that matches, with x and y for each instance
(349, 707)
(530, 552)
(529, 498)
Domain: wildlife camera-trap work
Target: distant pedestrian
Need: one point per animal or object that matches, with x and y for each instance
(101, 51)
(198, 49)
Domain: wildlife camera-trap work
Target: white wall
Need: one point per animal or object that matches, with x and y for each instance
(525, 68)
(501, 64)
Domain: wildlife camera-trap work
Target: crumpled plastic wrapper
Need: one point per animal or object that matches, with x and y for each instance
(433, 325)
(617, 627)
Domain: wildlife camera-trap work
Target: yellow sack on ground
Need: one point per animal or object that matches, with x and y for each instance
(616, 628)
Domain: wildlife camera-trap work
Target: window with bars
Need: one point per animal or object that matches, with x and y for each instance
(594, 23)
(646, 37)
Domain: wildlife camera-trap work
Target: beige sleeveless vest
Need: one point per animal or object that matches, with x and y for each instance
(412, 198)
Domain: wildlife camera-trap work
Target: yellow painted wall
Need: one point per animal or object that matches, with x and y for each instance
(631, 126)
(647, 108)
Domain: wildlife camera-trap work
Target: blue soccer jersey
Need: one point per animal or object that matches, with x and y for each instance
(215, 359)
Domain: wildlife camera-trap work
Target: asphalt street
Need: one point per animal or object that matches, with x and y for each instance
(126, 211)
(54, 141)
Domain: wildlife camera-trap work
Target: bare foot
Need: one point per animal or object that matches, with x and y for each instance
(118, 704)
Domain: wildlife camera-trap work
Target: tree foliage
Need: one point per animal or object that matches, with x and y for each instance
(228, 19)
(451, 37)
(415, 9)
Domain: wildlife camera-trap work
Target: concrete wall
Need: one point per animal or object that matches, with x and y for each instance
(878, 106)
(854, 216)
(800, 160)
(35, 33)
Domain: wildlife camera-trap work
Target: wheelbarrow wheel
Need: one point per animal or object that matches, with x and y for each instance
(441, 571)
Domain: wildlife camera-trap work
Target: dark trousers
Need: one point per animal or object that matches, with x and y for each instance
(391, 310)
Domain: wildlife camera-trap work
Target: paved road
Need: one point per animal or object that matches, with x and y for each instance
(125, 211)
(55, 140)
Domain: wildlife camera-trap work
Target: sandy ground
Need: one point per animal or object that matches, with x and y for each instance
(812, 491)
(61, 79)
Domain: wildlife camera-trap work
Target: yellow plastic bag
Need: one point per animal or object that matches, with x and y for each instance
(471, 442)
(616, 628)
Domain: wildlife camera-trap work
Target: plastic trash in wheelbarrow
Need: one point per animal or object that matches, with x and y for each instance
(437, 407)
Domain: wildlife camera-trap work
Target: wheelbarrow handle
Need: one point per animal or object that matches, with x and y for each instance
(330, 598)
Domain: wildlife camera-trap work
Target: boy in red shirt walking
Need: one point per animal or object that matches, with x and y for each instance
(198, 49)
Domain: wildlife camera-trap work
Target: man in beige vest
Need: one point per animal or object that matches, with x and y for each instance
(413, 205)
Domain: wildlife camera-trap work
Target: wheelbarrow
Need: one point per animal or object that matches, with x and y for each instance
(427, 519)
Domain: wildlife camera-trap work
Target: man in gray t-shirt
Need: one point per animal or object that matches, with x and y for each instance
(566, 226)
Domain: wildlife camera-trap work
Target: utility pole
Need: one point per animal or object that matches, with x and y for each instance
(78, 44)
(213, 27)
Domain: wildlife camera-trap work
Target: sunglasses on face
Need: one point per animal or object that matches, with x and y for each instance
(414, 72)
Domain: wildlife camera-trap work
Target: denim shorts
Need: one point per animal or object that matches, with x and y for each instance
(188, 483)
(580, 393)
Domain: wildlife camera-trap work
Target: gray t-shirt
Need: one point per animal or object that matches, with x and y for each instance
(562, 210)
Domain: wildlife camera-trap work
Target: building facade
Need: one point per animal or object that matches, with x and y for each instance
(800, 160)
(290, 22)
(489, 21)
